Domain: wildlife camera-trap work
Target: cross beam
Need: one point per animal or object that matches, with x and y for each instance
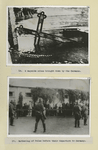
(41, 17)
(21, 30)
(38, 33)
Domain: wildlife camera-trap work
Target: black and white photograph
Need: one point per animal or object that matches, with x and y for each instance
(49, 106)
(48, 35)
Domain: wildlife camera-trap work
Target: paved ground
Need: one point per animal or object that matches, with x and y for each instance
(54, 125)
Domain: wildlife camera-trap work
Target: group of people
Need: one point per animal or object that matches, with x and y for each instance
(79, 111)
(22, 111)
(60, 109)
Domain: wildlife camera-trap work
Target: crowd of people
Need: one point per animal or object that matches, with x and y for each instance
(60, 109)
(40, 111)
(80, 112)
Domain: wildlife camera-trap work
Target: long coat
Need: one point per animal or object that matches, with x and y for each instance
(39, 111)
(11, 110)
(85, 111)
(77, 112)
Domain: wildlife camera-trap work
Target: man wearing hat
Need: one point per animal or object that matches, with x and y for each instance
(11, 112)
(77, 114)
(85, 113)
(39, 114)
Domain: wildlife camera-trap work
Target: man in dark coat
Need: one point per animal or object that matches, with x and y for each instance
(11, 113)
(85, 113)
(77, 114)
(39, 114)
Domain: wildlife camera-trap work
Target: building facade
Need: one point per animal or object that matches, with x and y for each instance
(14, 92)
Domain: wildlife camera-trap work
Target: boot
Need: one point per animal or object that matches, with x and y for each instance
(85, 121)
(35, 127)
(44, 127)
(79, 123)
(75, 123)
(11, 121)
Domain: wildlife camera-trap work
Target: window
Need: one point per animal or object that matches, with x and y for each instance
(11, 93)
(28, 94)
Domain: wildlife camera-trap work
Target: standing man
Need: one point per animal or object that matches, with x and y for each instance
(77, 114)
(85, 113)
(39, 114)
(11, 112)
(20, 101)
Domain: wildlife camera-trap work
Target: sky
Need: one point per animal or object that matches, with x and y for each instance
(80, 84)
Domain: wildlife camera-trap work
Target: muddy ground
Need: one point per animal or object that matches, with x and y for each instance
(54, 52)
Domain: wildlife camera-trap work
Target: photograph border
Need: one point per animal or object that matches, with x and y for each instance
(52, 135)
(7, 64)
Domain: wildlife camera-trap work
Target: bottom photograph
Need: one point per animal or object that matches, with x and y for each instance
(48, 106)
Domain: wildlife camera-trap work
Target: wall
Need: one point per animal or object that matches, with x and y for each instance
(16, 91)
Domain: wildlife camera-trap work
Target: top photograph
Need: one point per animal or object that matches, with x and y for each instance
(48, 35)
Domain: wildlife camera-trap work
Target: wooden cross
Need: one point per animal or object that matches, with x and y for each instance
(41, 16)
